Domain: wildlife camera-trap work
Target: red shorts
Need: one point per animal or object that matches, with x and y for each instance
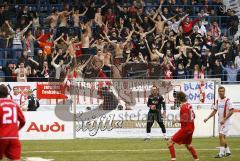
(10, 148)
(183, 137)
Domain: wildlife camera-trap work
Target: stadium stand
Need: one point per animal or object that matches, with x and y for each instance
(53, 40)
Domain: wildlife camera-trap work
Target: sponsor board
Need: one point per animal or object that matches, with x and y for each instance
(43, 125)
(132, 124)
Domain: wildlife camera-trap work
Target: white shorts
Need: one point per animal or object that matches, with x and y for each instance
(223, 129)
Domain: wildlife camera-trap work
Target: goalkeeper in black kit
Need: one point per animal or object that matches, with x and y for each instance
(156, 104)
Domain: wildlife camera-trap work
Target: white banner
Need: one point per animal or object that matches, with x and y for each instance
(123, 124)
(132, 124)
(44, 125)
(192, 89)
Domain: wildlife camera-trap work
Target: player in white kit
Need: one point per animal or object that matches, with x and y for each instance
(225, 110)
(16, 95)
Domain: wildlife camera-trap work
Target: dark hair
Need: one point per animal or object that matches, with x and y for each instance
(221, 87)
(54, 10)
(120, 107)
(181, 96)
(3, 91)
(84, 31)
(35, 15)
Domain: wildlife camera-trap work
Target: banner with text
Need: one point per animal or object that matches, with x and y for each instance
(132, 124)
(44, 125)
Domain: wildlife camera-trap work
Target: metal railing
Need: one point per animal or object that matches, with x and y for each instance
(47, 7)
(52, 79)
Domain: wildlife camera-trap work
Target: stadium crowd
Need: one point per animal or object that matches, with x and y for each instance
(171, 39)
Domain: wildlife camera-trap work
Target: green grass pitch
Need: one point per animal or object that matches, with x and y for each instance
(124, 150)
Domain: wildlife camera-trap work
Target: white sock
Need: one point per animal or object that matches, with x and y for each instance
(148, 135)
(222, 150)
(164, 135)
(227, 150)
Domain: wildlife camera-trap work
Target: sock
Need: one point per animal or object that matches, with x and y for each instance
(172, 152)
(222, 150)
(193, 152)
(148, 135)
(227, 149)
(164, 135)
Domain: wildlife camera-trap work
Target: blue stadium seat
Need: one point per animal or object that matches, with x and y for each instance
(2, 74)
(2, 54)
(15, 61)
(1, 63)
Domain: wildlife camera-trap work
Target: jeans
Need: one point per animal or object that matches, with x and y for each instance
(17, 51)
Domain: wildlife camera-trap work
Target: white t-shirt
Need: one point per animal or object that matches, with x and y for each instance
(21, 74)
(202, 30)
(16, 98)
(174, 26)
(220, 105)
(237, 61)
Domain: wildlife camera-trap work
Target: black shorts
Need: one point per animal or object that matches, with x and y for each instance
(85, 51)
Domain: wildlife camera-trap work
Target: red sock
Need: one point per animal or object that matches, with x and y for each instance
(193, 152)
(172, 152)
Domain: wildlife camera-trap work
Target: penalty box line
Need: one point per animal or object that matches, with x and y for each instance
(122, 150)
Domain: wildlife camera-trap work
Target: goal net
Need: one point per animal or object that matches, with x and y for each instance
(131, 93)
(117, 108)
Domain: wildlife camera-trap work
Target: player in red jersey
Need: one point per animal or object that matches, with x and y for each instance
(184, 135)
(10, 114)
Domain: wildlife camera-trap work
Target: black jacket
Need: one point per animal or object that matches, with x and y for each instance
(33, 103)
(158, 101)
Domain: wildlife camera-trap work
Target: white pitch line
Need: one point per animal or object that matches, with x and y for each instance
(37, 159)
(122, 150)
